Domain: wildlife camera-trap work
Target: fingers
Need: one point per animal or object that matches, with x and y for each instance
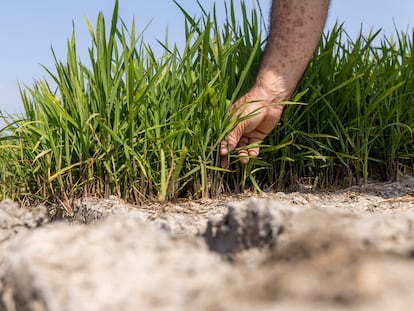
(262, 119)
(246, 154)
(227, 146)
(244, 134)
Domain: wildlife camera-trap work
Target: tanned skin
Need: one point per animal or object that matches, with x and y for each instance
(295, 30)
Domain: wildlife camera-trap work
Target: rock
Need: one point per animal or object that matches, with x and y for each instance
(91, 210)
(120, 263)
(303, 232)
(14, 219)
(255, 223)
(331, 251)
(317, 256)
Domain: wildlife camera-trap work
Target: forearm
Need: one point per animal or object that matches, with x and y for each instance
(295, 31)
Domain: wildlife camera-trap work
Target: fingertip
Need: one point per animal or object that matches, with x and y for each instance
(244, 160)
(244, 156)
(254, 152)
(223, 150)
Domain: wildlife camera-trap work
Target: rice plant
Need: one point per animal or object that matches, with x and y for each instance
(129, 123)
(358, 121)
(143, 127)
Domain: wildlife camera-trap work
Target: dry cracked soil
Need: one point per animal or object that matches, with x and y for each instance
(351, 249)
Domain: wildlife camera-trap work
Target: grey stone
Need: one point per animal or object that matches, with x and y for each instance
(255, 223)
(332, 251)
(14, 219)
(120, 263)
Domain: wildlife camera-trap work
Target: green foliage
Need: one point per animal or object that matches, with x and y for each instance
(358, 123)
(128, 123)
(359, 120)
(141, 127)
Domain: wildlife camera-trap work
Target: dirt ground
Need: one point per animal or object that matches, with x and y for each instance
(347, 249)
(351, 249)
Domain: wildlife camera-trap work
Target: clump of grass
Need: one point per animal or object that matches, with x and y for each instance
(358, 122)
(129, 123)
(143, 127)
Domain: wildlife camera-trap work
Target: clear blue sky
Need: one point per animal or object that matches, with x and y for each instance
(28, 29)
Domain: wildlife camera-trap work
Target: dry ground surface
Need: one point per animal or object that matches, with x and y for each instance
(351, 249)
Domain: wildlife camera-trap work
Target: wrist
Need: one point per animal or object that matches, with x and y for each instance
(272, 86)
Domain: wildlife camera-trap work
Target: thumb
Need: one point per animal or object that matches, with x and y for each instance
(232, 141)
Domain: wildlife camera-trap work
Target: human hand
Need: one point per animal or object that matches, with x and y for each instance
(263, 114)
